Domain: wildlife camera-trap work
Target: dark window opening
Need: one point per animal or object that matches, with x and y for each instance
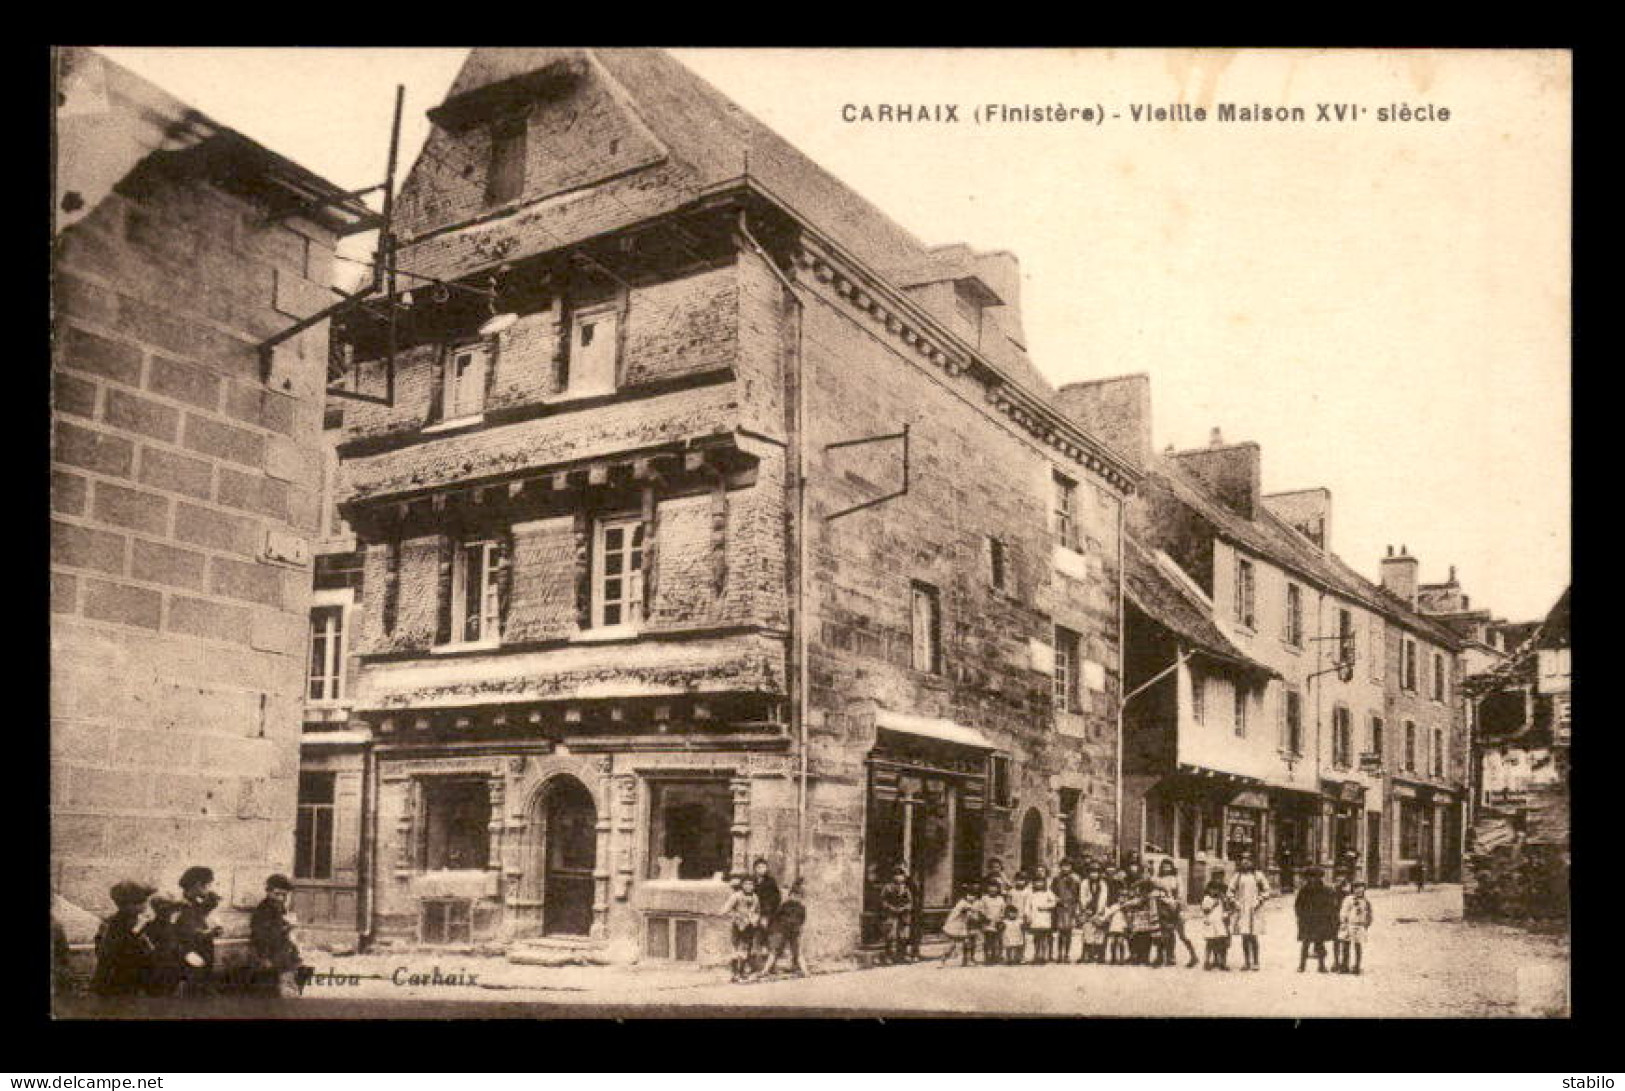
(506, 178)
(313, 827)
(926, 623)
(456, 825)
(691, 829)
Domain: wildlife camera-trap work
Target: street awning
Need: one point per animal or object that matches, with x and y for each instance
(926, 727)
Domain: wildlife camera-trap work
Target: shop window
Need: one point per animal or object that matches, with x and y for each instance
(464, 394)
(1410, 830)
(445, 920)
(617, 586)
(1067, 662)
(1293, 631)
(326, 681)
(675, 939)
(456, 824)
(1066, 512)
(690, 829)
(505, 179)
(926, 628)
(313, 827)
(1245, 592)
(476, 606)
(594, 348)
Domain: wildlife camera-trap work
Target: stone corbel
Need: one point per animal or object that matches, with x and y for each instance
(740, 787)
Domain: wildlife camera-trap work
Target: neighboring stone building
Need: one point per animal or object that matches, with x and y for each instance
(1519, 843)
(608, 651)
(1313, 718)
(184, 480)
(1483, 636)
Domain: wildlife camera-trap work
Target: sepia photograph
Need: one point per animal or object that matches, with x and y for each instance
(541, 532)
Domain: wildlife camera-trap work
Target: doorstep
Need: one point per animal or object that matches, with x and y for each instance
(559, 951)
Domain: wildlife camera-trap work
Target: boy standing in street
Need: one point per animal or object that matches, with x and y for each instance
(270, 935)
(788, 922)
(896, 915)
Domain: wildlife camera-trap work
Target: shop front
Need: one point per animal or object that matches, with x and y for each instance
(1298, 820)
(1205, 821)
(926, 813)
(1345, 826)
(1414, 811)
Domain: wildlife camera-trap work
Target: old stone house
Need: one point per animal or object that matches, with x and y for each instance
(747, 528)
(183, 491)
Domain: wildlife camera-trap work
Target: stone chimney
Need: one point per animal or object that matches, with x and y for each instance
(1308, 511)
(1115, 411)
(1000, 271)
(1232, 472)
(1399, 575)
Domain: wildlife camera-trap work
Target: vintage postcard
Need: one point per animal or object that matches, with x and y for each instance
(544, 530)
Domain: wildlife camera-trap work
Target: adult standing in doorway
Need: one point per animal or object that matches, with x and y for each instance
(1249, 890)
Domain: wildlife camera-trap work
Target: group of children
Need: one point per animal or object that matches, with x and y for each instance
(1116, 917)
(1126, 917)
(157, 946)
(765, 924)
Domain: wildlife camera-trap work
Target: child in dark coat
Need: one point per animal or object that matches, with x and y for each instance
(788, 922)
(1317, 910)
(125, 960)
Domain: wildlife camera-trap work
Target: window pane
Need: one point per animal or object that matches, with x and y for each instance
(303, 843)
(322, 862)
(457, 815)
(658, 942)
(316, 787)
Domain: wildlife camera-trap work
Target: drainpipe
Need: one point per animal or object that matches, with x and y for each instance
(794, 391)
(1122, 668)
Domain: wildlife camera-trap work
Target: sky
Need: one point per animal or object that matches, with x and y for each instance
(1382, 306)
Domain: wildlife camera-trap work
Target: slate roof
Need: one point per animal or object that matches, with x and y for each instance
(1271, 537)
(1165, 600)
(714, 142)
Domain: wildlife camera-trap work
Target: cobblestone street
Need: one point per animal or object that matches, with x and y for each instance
(1423, 961)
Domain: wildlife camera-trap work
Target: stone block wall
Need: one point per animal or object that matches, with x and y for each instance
(178, 645)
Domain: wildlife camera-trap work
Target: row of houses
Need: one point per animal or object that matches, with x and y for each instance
(756, 532)
(682, 509)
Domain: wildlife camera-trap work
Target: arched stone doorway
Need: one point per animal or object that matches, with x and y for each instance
(567, 821)
(1032, 840)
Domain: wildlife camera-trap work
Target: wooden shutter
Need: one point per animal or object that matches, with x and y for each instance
(437, 386)
(446, 559)
(541, 599)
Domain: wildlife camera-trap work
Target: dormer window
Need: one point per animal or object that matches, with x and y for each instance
(594, 345)
(464, 395)
(505, 178)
